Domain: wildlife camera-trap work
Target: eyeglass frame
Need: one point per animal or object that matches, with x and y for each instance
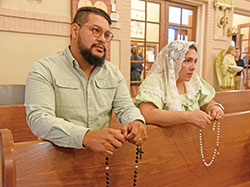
(98, 35)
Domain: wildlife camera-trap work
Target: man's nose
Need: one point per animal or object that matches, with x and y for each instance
(102, 38)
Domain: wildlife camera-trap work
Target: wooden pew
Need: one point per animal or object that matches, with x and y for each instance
(234, 101)
(13, 117)
(171, 158)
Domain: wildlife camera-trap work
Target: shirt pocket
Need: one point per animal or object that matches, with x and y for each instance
(68, 93)
(106, 91)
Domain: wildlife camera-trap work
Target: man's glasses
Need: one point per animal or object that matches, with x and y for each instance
(97, 32)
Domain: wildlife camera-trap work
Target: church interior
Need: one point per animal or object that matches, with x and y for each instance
(179, 155)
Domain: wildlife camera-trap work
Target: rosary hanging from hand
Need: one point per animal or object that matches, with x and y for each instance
(139, 153)
(216, 150)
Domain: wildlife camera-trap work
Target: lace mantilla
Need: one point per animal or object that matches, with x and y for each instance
(168, 63)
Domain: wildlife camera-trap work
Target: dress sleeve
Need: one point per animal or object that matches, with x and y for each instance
(207, 93)
(152, 91)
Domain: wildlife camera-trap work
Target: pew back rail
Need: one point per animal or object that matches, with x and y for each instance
(171, 158)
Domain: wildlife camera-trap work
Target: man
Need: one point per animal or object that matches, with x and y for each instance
(237, 79)
(70, 95)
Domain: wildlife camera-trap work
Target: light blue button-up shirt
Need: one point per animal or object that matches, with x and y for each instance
(62, 104)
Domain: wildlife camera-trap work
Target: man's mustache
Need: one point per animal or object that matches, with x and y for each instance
(99, 45)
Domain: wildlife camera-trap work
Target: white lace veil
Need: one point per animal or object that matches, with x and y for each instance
(168, 64)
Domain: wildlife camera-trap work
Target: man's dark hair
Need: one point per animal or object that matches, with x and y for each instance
(193, 47)
(82, 14)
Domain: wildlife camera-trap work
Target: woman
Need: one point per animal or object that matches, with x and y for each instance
(136, 69)
(237, 79)
(173, 94)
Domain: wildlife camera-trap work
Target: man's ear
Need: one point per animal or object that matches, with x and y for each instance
(74, 30)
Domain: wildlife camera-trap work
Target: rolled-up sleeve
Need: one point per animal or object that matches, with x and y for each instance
(123, 106)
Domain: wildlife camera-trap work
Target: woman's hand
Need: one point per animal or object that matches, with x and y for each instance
(215, 112)
(200, 119)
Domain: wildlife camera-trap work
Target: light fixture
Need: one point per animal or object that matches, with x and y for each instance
(222, 21)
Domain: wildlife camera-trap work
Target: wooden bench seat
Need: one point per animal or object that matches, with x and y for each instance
(172, 158)
(234, 101)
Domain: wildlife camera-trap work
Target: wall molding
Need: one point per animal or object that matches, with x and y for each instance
(21, 21)
(242, 11)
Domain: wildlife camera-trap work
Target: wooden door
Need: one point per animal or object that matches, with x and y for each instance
(243, 42)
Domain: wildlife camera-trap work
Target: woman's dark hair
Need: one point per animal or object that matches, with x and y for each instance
(82, 14)
(133, 53)
(193, 47)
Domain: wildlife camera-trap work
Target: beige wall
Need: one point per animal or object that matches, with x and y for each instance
(120, 47)
(42, 6)
(19, 51)
(30, 30)
(240, 19)
(27, 36)
(215, 39)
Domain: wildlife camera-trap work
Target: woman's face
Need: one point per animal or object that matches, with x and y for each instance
(188, 66)
(139, 50)
(237, 53)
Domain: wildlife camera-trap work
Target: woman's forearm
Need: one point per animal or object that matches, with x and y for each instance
(164, 118)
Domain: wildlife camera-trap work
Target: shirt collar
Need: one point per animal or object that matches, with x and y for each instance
(70, 57)
(73, 62)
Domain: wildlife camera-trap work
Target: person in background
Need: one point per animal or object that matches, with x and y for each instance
(239, 62)
(71, 94)
(136, 69)
(247, 56)
(228, 75)
(173, 94)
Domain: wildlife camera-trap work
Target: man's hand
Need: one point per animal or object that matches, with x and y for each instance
(135, 132)
(105, 141)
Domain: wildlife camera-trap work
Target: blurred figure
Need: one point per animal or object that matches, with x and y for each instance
(136, 69)
(247, 55)
(228, 75)
(218, 66)
(237, 79)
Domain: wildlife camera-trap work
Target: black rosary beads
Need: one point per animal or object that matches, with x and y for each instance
(138, 156)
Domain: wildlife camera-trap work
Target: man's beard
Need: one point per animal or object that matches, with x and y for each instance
(88, 56)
